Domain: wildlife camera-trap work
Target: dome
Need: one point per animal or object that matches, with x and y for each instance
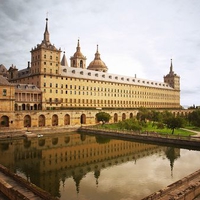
(78, 53)
(97, 64)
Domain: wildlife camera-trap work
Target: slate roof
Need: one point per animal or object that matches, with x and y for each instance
(4, 81)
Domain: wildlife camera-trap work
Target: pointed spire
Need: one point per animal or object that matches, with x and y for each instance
(97, 54)
(64, 60)
(46, 33)
(171, 72)
(171, 67)
(78, 48)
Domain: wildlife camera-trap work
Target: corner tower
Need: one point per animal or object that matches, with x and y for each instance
(78, 60)
(45, 57)
(172, 79)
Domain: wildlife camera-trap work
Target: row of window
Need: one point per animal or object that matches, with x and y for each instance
(108, 102)
(102, 89)
(45, 57)
(133, 95)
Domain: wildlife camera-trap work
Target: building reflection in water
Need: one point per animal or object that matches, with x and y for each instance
(49, 161)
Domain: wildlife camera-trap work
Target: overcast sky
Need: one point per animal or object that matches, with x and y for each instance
(134, 36)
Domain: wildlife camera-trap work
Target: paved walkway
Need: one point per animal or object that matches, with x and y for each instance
(186, 188)
(19, 187)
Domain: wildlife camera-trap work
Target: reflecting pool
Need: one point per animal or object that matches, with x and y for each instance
(76, 166)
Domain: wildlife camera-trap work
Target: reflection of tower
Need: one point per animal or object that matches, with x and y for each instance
(77, 179)
(96, 175)
(172, 154)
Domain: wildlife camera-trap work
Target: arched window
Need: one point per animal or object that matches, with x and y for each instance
(27, 121)
(55, 120)
(4, 121)
(41, 120)
(67, 119)
(83, 119)
(81, 64)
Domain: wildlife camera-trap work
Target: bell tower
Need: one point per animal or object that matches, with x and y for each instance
(172, 79)
(45, 57)
(78, 60)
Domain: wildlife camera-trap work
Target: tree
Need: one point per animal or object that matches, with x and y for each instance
(103, 117)
(130, 124)
(143, 114)
(194, 118)
(174, 123)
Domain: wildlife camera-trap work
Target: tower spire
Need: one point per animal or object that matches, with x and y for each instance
(46, 33)
(171, 67)
(97, 54)
(78, 48)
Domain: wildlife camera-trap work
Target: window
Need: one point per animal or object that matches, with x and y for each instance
(81, 64)
(4, 92)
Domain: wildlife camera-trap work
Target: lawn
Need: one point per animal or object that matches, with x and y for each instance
(151, 128)
(165, 130)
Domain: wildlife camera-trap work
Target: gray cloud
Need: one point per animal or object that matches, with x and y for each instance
(134, 37)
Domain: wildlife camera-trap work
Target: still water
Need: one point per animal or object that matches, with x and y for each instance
(72, 166)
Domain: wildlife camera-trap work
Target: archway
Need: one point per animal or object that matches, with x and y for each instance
(16, 106)
(27, 121)
(23, 106)
(4, 121)
(41, 121)
(83, 119)
(123, 116)
(28, 107)
(81, 64)
(41, 142)
(67, 139)
(55, 120)
(54, 141)
(35, 106)
(115, 118)
(131, 115)
(67, 119)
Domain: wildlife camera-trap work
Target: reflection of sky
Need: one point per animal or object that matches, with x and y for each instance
(132, 180)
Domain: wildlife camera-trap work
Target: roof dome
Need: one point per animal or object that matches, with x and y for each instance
(97, 64)
(78, 52)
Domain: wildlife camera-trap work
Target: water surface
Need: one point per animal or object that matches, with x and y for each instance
(79, 167)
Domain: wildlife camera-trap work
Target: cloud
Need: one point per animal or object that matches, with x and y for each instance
(137, 37)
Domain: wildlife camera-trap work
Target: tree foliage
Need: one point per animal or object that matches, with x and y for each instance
(103, 117)
(174, 123)
(194, 118)
(130, 124)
